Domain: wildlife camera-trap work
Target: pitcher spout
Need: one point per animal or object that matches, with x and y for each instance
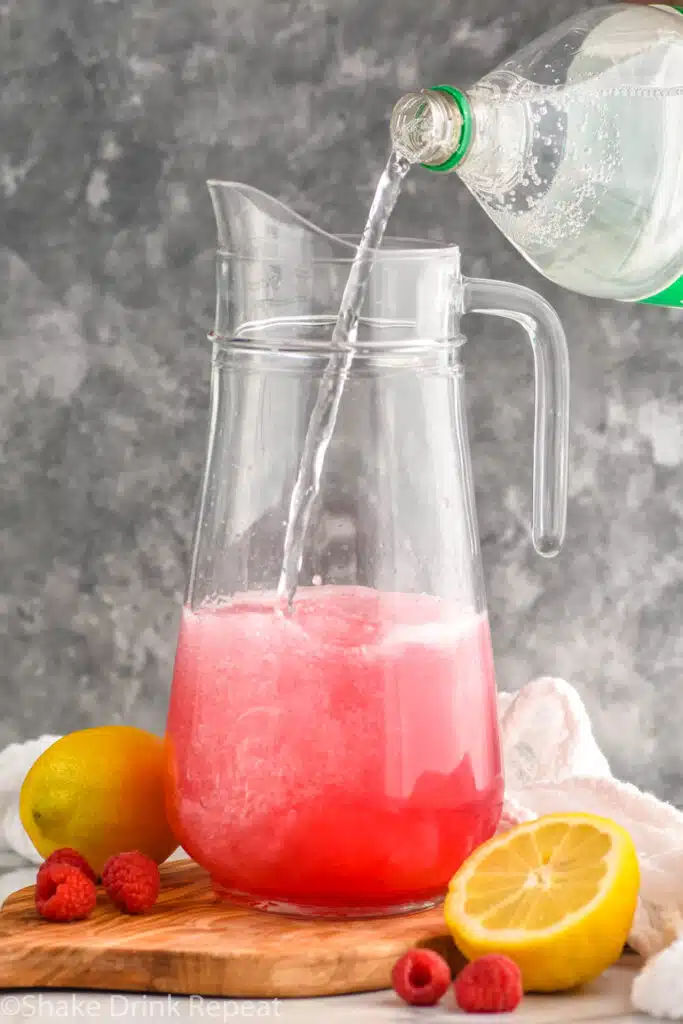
(253, 225)
(269, 262)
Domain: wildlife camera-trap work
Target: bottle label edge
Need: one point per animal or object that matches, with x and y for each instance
(671, 296)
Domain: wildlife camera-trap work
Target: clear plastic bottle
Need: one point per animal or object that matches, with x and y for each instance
(574, 147)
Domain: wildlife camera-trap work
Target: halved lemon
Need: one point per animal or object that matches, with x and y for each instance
(557, 895)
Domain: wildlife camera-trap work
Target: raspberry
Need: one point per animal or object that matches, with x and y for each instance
(132, 881)
(421, 977)
(64, 893)
(491, 984)
(66, 855)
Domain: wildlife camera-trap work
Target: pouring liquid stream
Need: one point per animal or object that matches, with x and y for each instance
(324, 416)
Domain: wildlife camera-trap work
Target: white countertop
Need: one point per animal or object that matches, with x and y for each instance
(605, 1002)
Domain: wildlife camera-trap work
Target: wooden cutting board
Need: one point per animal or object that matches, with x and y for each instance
(191, 943)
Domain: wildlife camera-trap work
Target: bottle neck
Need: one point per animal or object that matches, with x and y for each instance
(433, 127)
(484, 139)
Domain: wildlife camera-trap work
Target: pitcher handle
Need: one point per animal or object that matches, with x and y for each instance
(551, 423)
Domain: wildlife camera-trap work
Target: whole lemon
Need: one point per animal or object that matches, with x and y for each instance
(101, 792)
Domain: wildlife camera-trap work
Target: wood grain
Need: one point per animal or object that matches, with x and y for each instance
(191, 943)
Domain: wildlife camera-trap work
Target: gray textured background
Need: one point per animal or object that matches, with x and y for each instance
(112, 115)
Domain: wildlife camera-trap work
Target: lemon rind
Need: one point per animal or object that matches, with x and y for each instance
(620, 859)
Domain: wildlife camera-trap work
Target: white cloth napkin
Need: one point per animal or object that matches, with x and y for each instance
(552, 764)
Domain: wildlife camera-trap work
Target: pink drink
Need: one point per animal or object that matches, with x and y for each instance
(341, 760)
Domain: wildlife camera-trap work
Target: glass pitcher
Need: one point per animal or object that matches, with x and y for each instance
(340, 756)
